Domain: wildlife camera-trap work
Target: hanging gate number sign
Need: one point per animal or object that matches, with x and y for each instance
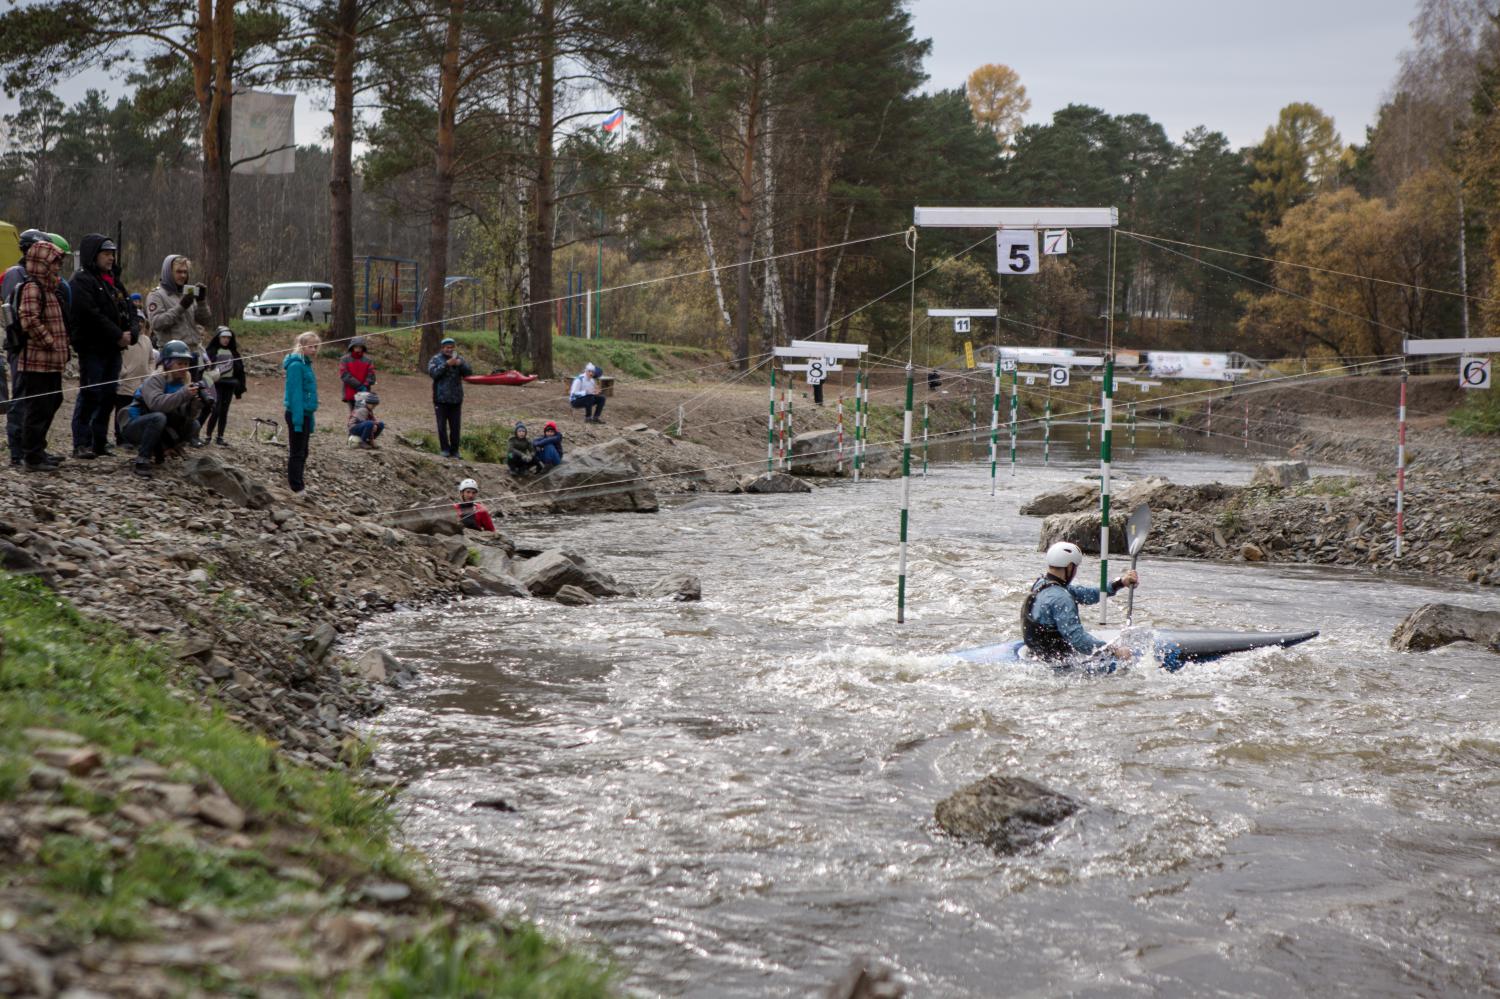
(815, 371)
(1016, 251)
(1474, 372)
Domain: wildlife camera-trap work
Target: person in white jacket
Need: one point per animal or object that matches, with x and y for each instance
(584, 394)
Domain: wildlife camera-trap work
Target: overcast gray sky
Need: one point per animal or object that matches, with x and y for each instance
(1228, 65)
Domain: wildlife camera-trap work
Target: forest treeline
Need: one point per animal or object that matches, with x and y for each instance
(787, 134)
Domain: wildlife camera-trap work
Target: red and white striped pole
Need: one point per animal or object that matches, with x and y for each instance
(1401, 467)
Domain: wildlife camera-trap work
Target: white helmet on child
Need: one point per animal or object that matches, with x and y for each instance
(468, 484)
(1064, 554)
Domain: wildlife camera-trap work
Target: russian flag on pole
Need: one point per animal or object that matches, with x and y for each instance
(615, 120)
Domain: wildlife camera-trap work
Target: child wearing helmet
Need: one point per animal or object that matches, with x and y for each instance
(471, 512)
(1049, 617)
(364, 427)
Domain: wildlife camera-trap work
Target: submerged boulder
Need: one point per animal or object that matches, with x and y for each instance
(1432, 626)
(680, 586)
(773, 482)
(1073, 498)
(1004, 813)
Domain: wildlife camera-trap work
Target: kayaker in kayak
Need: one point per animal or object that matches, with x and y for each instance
(1049, 617)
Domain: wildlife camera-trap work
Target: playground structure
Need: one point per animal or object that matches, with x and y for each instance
(388, 290)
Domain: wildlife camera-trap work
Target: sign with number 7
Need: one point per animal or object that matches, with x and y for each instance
(1016, 251)
(1055, 242)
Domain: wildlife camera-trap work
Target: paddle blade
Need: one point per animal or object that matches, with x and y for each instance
(1136, 529)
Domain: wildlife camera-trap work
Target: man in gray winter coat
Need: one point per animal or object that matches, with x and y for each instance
(174, 308)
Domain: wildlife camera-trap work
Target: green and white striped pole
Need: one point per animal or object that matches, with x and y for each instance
(771, 424)
(1013, 416)
(786, 452)
(1132, 430)
(973, 422)
(925, 426)
(995, 426)
(1047, 433)
(1105, 433)
(1088, 433)
(859, 377)
(905, 498)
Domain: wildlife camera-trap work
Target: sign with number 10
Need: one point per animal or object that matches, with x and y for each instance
(1016, 251)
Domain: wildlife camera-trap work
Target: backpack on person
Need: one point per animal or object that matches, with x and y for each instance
(15, 336)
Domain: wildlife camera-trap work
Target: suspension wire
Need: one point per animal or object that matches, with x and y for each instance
(1312, 267)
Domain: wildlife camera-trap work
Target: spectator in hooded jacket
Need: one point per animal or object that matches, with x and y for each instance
(40, 363)
(356, 370)
(224, 357)
(173, 307)
(549, 446)
(9, 282)
(301, 401)
(104, 324)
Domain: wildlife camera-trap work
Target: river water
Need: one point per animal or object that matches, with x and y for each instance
(734, 797)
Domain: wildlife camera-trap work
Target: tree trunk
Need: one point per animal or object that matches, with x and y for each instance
(213, 88)
(433, 299)
(745, 237)
(341, 174)
(543, 200)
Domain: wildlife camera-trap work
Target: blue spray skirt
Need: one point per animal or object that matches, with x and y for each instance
(1173, 649)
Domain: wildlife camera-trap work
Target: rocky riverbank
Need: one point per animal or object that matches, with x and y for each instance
(224, 594)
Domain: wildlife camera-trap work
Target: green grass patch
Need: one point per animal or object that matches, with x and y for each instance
(1328, 485)
(1479, 414)
(520, 964)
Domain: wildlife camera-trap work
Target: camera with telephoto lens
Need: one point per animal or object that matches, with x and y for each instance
(207, 380)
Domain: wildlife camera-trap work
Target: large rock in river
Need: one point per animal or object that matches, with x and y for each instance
(604, 478)
(1279, 473)
(773, 482)
(1083, 530)
(1434, 625)
(1080, 497)
(550, 571)
(1006, 814)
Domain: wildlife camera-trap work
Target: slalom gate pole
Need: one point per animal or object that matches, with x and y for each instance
(1013, 424)
(771, 424)
(858, 382)
(1132, 430)
(1105, 434)
(1209, 428)
(995, 427)
(905, 497)
(841, 436)
(864, 425)
(1401, 468)
(924, 440)
(1247, 424)
(973, 422)
(679, 421)
(786, 454)
(1047, 433)
(781, 432)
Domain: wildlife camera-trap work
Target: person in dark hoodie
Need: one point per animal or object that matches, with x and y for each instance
(521, 457)
(224, 357)
(356, 371)
(104, 322)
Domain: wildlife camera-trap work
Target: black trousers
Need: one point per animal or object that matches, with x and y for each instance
(449, 423)
(41, 395)
(97, 376)
(13, 411)
(296, 451)
(218, 420)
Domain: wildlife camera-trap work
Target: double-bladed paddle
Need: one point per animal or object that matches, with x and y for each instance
(1136, 529)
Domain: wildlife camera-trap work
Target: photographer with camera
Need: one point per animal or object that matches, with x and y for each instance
(164, 413)
(104, 324)
(177, 307)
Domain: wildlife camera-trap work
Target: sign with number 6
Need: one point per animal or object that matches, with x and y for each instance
(1474, 372)
(1016, 251)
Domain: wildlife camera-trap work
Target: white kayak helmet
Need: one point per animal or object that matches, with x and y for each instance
(468, 484)
(1064, 554)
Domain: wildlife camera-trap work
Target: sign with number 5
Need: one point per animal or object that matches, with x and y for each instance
(1016, 251)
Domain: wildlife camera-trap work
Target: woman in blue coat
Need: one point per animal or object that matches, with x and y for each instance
(301, 401)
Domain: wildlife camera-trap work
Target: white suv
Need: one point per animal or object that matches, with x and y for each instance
(305, 301)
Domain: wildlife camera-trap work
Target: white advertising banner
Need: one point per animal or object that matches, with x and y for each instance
(261, 137)
(1211, 367)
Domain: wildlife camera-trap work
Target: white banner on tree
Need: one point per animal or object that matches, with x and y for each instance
(1211, 367)
(261, 136)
